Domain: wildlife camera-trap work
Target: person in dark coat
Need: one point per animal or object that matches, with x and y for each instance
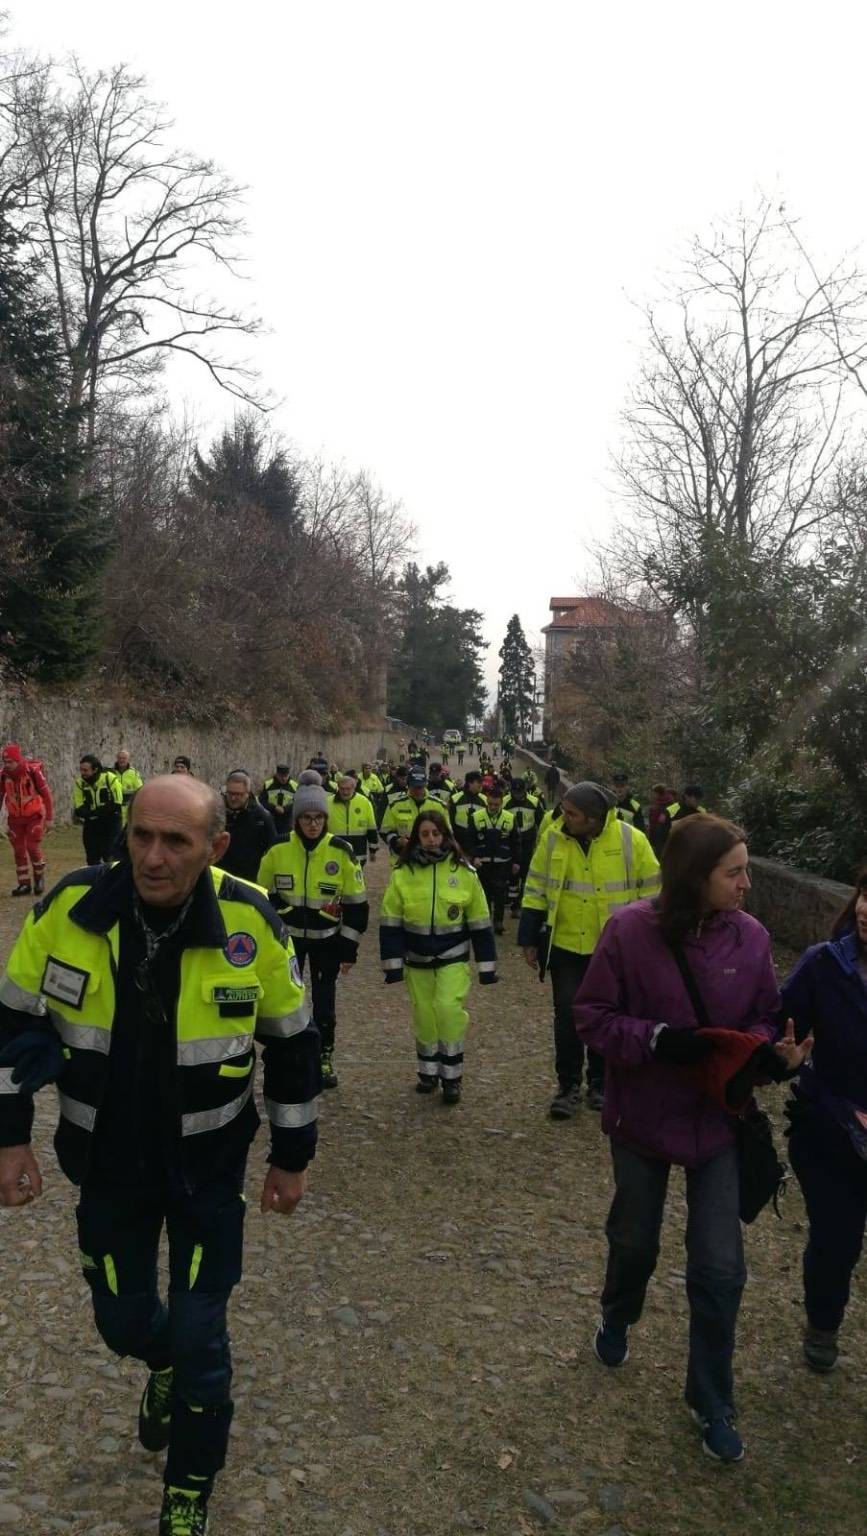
(250, 827)
(826, 995)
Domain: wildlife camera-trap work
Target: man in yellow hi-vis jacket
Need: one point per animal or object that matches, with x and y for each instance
(584, 867)
(140, 988)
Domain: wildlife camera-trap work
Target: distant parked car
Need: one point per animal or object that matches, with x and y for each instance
(452, 736)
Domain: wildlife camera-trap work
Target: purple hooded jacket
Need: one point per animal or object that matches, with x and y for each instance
(632, 984)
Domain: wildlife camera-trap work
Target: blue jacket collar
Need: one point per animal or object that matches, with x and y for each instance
(110, 898)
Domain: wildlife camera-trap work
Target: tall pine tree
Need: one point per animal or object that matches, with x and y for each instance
(54, 542)
(435, 680)
(517, 681)
(244, 473)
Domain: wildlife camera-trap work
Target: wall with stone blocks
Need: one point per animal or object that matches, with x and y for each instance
(58, 729)
(797, 908)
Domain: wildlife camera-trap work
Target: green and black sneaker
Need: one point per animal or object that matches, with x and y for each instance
(184, 1513)
(155, 1413)
(329, 1076)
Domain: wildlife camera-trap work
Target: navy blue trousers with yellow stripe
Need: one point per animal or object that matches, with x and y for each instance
(119, 1228)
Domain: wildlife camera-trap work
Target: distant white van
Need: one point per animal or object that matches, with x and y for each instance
(452, 736)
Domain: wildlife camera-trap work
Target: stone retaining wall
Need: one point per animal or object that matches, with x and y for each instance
(797, 908)
(59, 729)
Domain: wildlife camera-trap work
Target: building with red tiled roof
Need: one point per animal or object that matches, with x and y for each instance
(572, 618)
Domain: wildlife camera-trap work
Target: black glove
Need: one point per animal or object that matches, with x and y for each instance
(681, 1047)
(36, 1056)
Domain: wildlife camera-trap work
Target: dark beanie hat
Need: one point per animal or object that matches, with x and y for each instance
(590, 798)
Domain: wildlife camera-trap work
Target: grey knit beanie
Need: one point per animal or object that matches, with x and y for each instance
(309, 776)
(590, 798)
(309, 797)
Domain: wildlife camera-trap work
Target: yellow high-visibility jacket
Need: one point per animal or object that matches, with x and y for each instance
(401, 815)
(239, 982)
(430, 916)
(574, 893)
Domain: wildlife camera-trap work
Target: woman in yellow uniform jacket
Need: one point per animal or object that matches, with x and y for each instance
(433, 909)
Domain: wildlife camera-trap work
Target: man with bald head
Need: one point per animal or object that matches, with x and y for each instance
(140, 987)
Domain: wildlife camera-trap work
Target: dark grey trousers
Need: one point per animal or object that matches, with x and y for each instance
(715, 1270)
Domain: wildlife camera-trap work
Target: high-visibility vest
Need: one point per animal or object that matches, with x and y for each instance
(579, 890)
(226, 998)
(525, 815)
(94, 796)
(493, 835)
(319, 891)
(277, 794)
(430, 915)
(355, 820)
(401, 815)
(673, 810)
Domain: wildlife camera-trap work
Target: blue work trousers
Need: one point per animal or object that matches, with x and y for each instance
(119, 1231)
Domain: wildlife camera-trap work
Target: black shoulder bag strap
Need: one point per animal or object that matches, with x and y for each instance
(691, 985)
(761, 1174)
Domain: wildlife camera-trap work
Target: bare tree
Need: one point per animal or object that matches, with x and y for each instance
(124, 223)
(739, 411)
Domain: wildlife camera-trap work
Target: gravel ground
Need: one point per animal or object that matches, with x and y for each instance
(412, 1349)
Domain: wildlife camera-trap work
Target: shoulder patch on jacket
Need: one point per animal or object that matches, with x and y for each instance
(87, 877)
(344, 846)
(234, 889)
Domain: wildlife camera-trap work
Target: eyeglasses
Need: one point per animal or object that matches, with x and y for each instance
(311, 816)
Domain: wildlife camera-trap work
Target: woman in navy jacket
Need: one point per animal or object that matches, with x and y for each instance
(826, 995)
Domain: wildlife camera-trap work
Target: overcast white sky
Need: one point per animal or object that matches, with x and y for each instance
(452, 205)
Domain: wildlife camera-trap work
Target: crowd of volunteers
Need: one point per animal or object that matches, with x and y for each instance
(141, 984)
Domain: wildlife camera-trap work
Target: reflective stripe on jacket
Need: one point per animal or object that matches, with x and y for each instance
(318, 890)
(430, 915)
(243, 986)
(574, 892)
(493, 839)
(527, 814)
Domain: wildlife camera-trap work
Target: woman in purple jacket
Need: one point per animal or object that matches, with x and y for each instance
(634, 1008)
(826, 994)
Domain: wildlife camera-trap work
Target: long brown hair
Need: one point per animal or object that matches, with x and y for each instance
(449, 842)
(844, 922)
(692, 851)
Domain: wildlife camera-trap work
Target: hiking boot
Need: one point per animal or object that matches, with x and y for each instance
(22, 889)
(611, 1345)
(451, 1090)
(329, 1076)
(564, 1105)
(184, 1513)
(39, 885)
(155, 1412)
(820, 1348)
(427, 1085)
(719, 1437)
(595, 1097)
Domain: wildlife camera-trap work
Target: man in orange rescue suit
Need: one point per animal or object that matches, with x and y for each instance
(29, 813)
(140, 988)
